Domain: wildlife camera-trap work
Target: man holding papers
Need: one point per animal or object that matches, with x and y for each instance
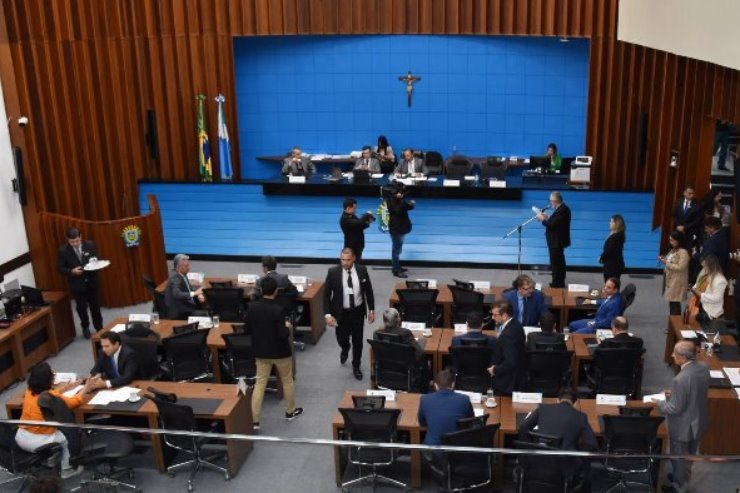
(686, 410)
(116, 365)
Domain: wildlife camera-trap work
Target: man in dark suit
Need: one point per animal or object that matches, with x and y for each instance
(687, 215)
(297, 164)
(527, 302)
(348, 298)
(610, 306)
(392, 327)
(686, 410)
(72, 258)
(564, 421)
(272, 347)
(717, 243)
(547, 333)
(181, 300)
(269, 269)
(410, 165)
(399, 225)
(557, 234)
(474, 322)
(440, 410)
(116, 365)
(622, 337)
(354, 227)
(507, 369)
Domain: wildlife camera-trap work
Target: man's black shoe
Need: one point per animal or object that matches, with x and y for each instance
(358, 373)
(403, 269)
(400, 274)
(343, 357)
(86, 333)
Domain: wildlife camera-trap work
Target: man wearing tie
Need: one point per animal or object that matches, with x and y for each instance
(348, 298)
(297, 164)
(367, 162)
(557, 234)
(410, 165)
(116, 365)
(527, 302)
(72, 258)
(687, 215)
(180, 298)
(609, 307)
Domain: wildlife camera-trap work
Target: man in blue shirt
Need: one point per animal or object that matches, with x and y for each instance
(609, 307)
(439, 411)
(528, 303)
(475, 332)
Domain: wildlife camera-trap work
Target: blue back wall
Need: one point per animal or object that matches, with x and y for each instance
(479, 95)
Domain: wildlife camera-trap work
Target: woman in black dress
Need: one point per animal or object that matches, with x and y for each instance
(613, 257)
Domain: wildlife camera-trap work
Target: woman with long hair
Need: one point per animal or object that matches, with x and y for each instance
(708, 291)
(676, 276)
(713, 207)
(612, 256)
(385, 154)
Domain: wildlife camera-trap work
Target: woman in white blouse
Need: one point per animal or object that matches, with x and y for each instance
(709, 288)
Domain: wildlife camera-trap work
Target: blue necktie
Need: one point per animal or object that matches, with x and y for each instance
(114, 368)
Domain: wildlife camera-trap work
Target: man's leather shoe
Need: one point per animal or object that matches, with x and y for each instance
(358, 373)
(400, 274)
(343, 357)
(86, 333)
(403, 269)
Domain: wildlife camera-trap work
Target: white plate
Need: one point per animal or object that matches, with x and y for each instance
(100, 264)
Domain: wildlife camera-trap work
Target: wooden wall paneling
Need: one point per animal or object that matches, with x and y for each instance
(398, 17)
(452, 17)
(479, 13)
(303, 16)
(424, 10)
(262, 16)
(344, 17)
(466, 15)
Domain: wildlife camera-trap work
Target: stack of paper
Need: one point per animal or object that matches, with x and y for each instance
(61, 377)
(119, 328)
(651, 397)
(73, 392)
(734, 375)
(474, 397)
(105, 397)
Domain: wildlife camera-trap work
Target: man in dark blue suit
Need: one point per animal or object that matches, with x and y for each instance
(440, 410)
(527, 302)
(475, 331)
(609, 307)
(507, 369)
(717, 243)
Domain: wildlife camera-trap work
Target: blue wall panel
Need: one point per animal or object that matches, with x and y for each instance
(479, 95)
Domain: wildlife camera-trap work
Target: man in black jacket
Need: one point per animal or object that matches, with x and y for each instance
(180, 297)
(72, 258)
(348, 297)
(271, 345)
(354, 227)
(508, 358)
(116, 365)
(622, 337)
(557, 234)
(399, 225)
(687, 216)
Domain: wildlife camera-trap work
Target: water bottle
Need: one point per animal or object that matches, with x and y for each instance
(566, 331)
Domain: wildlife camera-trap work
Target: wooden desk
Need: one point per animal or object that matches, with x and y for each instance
(408, 422)
(312, 297)
(34, 337)
(234, 411)
(444, 298)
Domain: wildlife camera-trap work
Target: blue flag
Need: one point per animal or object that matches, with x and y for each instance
(224, 144)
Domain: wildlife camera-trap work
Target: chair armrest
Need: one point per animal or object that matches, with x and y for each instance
(99, 418)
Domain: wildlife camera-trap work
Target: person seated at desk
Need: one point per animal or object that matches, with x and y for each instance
(30, 438)
(570, 425)
(392, 327)
(440, 410)
(116, 365)
(609, 307)
(556, 161)
(622, 337)
(297, 164)
(269, 269)
(528, 303)
(547, 332)
(410, 165)
(179, 297)
(474, 322)
(708, 291)
(367, 162)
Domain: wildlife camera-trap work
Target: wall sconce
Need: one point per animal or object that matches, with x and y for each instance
(674, 158)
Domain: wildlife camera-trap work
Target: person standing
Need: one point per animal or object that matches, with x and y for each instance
(557, 234)
(688, 216)
(686, 410)
(507, 369)
(399, 225)
(348, 298)
(354, 227)
(272, 347)
(612, 256)
(72, 258)
(676, 277)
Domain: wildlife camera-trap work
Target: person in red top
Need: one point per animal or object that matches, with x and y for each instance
(31, 437)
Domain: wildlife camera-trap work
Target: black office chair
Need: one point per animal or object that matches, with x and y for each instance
(433, 162)
(380, 335)
(635, 410)
(23, 466)
(629, 436)
(541, 473)
(464, 301)
(417, 284)
(371, 425)
(614, 371)
(174, 416)
(291, 310)
(466, 341)
(463, 284)
(548, 371)
(102, 449)
(466, 471)
(395, 366)
(187, 358)
(458, 168)
(186, 328)
(221, 284)
(418, 305)
(493, 167)
(471, 366)
(550, 346)
(158, 304)
(628, 296)
(368, 401)
(473, 422)
(146, 349)
(227, 303)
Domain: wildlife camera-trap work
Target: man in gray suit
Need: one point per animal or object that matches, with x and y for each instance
(297, 164)
(686, 411)
(269, 266)
(410, 165)
(367, 162)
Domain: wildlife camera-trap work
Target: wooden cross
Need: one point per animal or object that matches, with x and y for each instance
(409, 80)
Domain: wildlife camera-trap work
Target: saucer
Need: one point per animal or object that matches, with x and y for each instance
(490, 404)
(134, 398)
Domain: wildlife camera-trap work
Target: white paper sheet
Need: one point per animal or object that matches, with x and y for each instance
(649, 398)
(64, 377)
(688, 334)
(389, 394)
(526, 397)
(734, 375)
(475, 397)
(716, 374)
(119, 328)
(73, 392)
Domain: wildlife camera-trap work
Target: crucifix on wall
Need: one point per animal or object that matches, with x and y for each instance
(409, 80)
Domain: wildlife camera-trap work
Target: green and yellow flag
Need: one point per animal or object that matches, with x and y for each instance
(204, 145)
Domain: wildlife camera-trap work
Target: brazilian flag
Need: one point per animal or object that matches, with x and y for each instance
(205, 166)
